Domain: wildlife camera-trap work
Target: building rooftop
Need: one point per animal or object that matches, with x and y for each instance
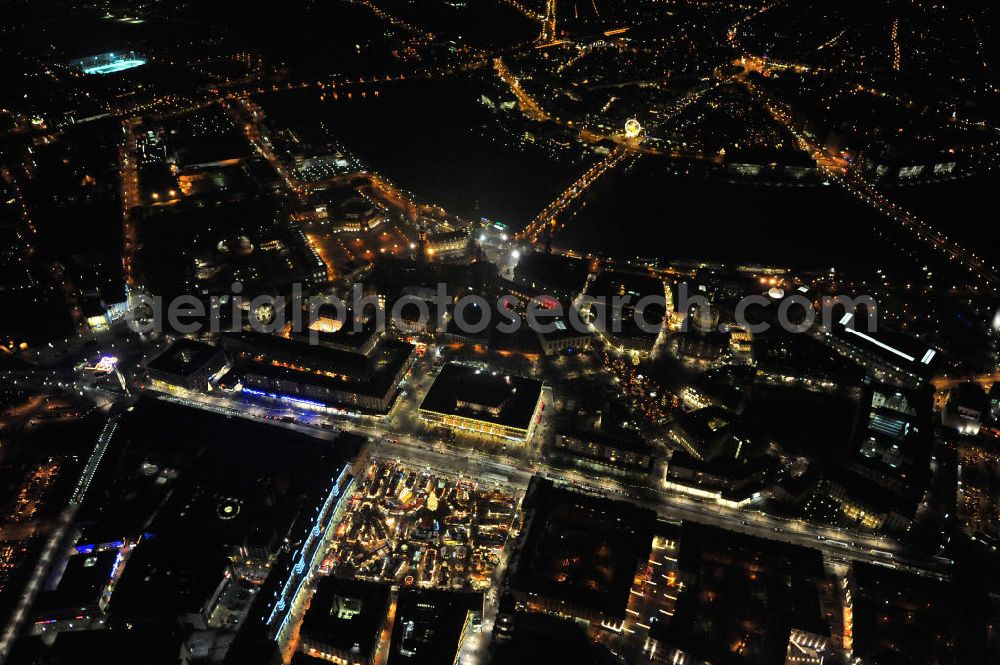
(332, 368)
(581, 549)
(196, 486)
(183, 358)
(893, 434)
(712, 432)
(730, 468)
(347, 614)
(560, 328)
(466, 391)
(613, 283)
(553, 274)
(338, 334)
(616, 438)
(742, 597)
(893, 348)
(429, 626)
(136, 645)
(82, 582)
(540, 638)
(899, 617)
(166, 577)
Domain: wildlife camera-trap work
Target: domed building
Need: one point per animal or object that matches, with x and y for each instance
(357, 214)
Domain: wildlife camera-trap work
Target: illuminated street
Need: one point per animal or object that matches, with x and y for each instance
(500, 332)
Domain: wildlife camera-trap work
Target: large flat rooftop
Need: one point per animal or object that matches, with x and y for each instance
(183, 357)
(581, 549)
(322, 366)
(428, 626)
(191, 486)
(742, 597)
(347, 614)
(461, 390)
(899, 617)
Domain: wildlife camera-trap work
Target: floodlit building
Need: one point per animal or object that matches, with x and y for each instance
(448, 242)
(185, 364)
(619, 450)
(317, 377)
(484, 403)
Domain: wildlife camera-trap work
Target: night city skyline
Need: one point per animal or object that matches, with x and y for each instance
(499, 332)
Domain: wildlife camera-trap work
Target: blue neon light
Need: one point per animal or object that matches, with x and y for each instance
(114, 566)
(284, 398)
(312, 558)
(329, 507)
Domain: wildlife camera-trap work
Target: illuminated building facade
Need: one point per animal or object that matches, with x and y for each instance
(186, 364)
(603, 450)
(317, 377)
(450, 242)
(483, 403)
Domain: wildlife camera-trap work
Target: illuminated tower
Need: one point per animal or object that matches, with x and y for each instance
(422, 242)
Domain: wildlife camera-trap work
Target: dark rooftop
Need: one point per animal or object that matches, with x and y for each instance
(167, 577)
(323, 366)
(183, 357)
(617, 438)
(713, 432)
(196, 486)
(581, 549)
(611, 283)
(135, 645)
(743, 596)
(428, 626)
(347, 614)
(348, 337)
(904, 618)
(81, 585)
(552, 272)
(466, 391)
